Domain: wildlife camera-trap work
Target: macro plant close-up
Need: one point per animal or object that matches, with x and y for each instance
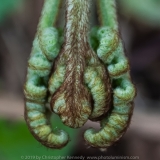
(77, 82)
(80, 76)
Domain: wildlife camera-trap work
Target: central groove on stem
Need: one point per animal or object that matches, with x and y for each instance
(75, 66)
(73, 56)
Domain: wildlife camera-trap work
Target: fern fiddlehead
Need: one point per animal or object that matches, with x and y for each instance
(45, 49)
(72, 99)
(111, 52)
(79, 83)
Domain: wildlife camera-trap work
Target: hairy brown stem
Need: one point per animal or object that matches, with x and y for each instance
(73, 91)
(72, 100)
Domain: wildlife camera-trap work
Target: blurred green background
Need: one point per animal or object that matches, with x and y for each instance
(139, 22)
(16, 141)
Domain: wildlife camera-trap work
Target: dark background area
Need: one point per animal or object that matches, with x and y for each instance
(139, 22)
